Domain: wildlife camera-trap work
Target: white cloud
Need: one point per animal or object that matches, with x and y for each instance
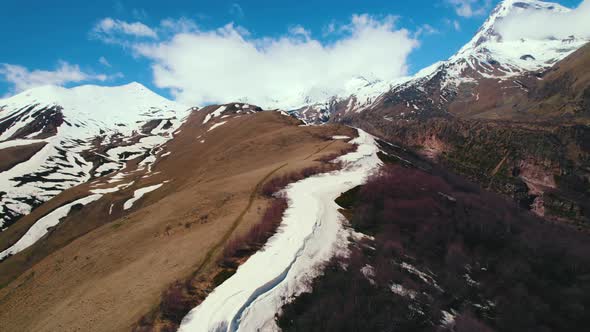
(426, 29)
(112, 31)
(103, 61)
(226, 65)
(181, 25)
(544, 24)
(470, 8)
(298, 30)
(22, 78)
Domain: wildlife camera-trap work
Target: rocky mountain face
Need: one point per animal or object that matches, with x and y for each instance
(57, 138)
(511, 114)
(529, 142)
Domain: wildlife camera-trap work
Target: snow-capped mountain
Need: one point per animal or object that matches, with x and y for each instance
(491, 55)
(64, 137)
(487, 56)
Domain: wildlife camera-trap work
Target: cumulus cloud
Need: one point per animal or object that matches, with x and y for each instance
(22, 78)
(470, 8)
(225, 64)
(113, 31)
(526, 24)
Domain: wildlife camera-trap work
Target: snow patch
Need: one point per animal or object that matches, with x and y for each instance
(340, 137)
(138, 194)
(41, 226)
(214, 114)
(217, 125)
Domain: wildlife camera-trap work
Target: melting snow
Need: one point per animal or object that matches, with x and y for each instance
(369, 272)
(217, 125)
(340, 137)
(425, 277)
(41, 226)
(448, 318)
(214, 114)
(310, 233)
(138, 194)
(89, 111)
(112, 189)
(401, 291)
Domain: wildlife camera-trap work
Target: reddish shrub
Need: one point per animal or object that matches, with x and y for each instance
(174, 305)
(258, 234)
(331, 157)
(456, 257)
(467, 323)
(328, 158)
(399, 182)
(276, 184)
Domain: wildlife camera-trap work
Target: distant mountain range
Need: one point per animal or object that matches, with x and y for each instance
(486, 66)
(64, 137)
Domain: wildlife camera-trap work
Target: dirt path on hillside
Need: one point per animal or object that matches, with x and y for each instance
(236, 222)
(319, 150)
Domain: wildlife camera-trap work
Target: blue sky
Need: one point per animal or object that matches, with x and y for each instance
(45, 35)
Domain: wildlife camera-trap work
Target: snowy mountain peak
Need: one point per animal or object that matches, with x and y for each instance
(501, 49)
(489, 30)
(96, 107)
(491, 54)
(83, 132)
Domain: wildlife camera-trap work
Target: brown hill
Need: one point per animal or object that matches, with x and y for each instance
(103, 267)
(560, 94)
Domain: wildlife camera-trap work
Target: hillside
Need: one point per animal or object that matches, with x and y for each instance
(442, 255)
(110, 259)
(58, 138)
(516, 123)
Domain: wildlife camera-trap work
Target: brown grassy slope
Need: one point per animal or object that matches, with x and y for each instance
(115, 269)
(15, 155)
(561, 94)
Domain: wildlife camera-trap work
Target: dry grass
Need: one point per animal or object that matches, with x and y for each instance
(116, 275)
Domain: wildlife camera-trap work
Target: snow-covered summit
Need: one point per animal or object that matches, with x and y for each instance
(84, 132)
(90, 108)
(491, 54)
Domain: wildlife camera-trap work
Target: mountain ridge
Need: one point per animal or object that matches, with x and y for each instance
(485, 57)
(86, 131)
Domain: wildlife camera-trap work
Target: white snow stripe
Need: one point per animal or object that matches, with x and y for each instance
(311, 232)
(138, 194)
(40, 227)
(217, 125)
